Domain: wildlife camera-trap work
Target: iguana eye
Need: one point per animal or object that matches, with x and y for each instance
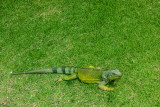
(114, 73)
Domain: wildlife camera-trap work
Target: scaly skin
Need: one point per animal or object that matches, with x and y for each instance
(101, 76)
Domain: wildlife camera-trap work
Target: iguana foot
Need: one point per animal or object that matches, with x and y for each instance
(109, 89)
(106, 88)
(59, 80)
(102, 86)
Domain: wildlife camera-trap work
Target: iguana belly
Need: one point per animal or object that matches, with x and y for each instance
(89, 76)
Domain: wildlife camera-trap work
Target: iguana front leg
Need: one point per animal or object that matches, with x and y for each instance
(102, 86)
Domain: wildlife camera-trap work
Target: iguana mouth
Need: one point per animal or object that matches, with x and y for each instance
(116, 76)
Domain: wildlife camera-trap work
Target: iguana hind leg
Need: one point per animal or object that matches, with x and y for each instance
(102, 86)
(66, 77)
(69, 77)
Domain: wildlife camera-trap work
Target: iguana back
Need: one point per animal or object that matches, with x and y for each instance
(89, 75)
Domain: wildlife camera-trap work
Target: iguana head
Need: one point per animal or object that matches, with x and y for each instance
(109, 75)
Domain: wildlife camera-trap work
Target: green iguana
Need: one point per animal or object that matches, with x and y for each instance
(100, 76)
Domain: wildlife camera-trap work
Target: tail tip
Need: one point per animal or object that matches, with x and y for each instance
(11, 73)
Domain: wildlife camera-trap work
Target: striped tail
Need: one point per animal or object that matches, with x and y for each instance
(65, 70)
(58, 70)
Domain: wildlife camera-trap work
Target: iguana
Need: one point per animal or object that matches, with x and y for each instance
(101, 76)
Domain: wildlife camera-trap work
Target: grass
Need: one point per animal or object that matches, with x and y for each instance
(122, 35)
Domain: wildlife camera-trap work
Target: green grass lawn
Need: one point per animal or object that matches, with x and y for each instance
(118, 34)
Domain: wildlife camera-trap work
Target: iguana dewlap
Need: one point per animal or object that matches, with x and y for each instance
(87, 75)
